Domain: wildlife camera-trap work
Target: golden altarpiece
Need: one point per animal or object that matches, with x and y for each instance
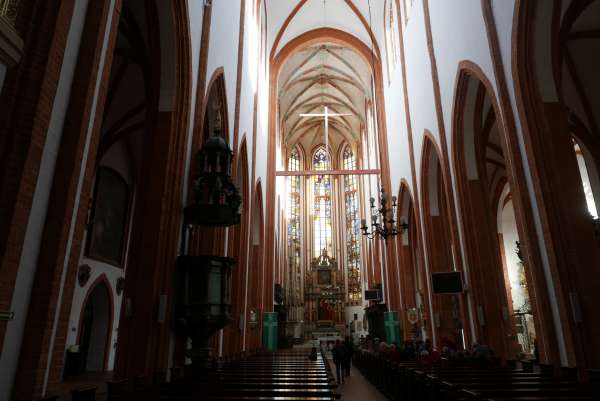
(324, 292)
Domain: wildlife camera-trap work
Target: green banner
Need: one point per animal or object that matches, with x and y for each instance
(270, 323)
(392, 327)
(4, 316)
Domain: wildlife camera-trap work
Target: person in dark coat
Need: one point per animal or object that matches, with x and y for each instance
(339, 356)
(348, 359)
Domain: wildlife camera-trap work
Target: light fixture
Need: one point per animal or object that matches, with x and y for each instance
(383, 224)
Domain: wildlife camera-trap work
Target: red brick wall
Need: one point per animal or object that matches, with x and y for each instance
(37, 341)
(26, 103)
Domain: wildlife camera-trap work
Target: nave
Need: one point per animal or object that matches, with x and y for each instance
(193, 188)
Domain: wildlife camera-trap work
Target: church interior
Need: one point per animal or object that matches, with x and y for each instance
(299, 200)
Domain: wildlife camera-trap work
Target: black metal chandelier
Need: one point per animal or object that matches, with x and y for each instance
(383, 224)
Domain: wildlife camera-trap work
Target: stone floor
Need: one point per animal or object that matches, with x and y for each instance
(357, 388)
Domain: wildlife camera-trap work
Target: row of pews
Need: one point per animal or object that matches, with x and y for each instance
(283, 376)
(410, 381)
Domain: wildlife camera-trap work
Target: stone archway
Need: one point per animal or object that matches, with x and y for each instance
(95, 327)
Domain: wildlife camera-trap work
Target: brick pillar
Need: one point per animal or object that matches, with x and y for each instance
(486, 270)
(45, 332)
(568, 231)
(143, 341)
(26, 103)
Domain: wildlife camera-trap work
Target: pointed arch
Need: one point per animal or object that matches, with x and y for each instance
(257, 293)
(410, 275)
(214, 100)
(101, 283)
(448, 312)
(551, 89)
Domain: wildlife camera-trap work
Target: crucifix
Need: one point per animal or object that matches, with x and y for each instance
(326, 114)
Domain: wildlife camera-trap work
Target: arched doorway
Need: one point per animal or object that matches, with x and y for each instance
(95, 328)
(446, 320)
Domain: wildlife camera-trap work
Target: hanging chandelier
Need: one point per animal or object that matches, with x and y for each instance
(383, 224)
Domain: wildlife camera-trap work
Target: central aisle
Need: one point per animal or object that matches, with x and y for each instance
(357, 388)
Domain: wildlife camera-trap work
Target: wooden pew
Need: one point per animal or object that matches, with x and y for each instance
(286, 376)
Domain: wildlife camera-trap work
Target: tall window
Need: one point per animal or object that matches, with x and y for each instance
(391, 36)
(585, 179)
(352, 228)
(322, 204)
(293, 223)
(408, 6)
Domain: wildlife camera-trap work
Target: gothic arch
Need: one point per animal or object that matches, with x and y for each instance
(103, 328)
(258, 291)
(480, 147)
(551, 93)
(277, 59)
(447, 313)
(411, 278)
(216, 95)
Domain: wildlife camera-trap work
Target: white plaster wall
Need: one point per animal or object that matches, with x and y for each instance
(459, 33)
(262, 133)
(112, 273)
(223, 50)
(419, 83)
(195, 14)
(336, 14)
(116, 158)
(397, 133)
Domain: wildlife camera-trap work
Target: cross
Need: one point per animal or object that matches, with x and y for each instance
(326, 114)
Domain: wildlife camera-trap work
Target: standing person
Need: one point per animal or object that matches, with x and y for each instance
(348, 358)
(339, 355)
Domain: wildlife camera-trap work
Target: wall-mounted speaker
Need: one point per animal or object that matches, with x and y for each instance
(162, 308)
(576, 308)
(480, 315)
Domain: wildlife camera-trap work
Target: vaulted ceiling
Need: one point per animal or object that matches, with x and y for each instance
(324, 74)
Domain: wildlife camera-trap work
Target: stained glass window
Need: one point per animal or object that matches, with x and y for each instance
(408, 6)
(352, 229)
(322, 204)
(585, 181)
(293, 224)
(391, 36)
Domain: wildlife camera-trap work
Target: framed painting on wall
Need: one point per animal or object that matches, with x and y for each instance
(324, 277)
(109, 217)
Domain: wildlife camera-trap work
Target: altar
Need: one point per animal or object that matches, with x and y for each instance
(324, 292)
